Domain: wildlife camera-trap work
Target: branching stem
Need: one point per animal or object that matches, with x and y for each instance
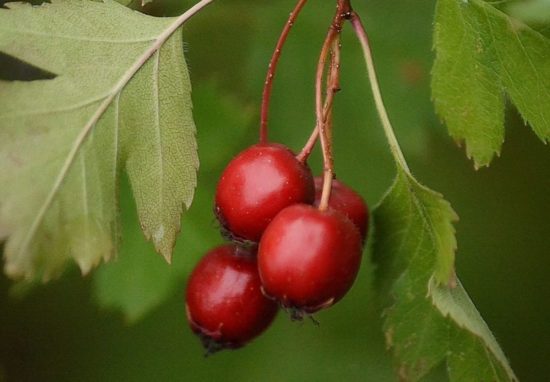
(333, 86)
(323, 125)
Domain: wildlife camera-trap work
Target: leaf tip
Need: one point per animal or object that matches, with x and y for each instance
(167, 256)
(479, 164)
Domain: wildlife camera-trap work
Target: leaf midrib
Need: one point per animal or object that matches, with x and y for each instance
(68, 108)
(81, 138)
(157, 127)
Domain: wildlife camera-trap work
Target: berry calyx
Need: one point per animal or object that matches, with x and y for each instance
(308, 259)
(224, 303)
(257, 184)
(344, 199)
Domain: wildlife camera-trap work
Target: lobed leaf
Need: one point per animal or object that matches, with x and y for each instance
(483, 56)
(120, 100)
(431, 318)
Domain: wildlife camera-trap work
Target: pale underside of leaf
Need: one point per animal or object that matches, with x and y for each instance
(457, 305)
(482, 56)
(64, 141)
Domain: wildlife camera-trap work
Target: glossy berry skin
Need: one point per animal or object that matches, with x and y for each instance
(308, 259)
(344, 199)
(257, 184)
(224, 302)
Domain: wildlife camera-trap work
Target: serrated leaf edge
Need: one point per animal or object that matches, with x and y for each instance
(81, 138)
(512, 21)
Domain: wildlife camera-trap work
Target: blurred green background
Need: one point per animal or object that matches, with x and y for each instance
(58, 332)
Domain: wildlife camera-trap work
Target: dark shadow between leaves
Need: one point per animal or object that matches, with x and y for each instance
(13, 69)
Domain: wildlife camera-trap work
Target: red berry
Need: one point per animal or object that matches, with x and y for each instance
(224, 302)
(347, 201)
(256, 185)
(308, 259)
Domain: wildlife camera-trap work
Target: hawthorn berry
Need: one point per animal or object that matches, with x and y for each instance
(224, 302)
(257, 184)
(308, 259)
(344, 199)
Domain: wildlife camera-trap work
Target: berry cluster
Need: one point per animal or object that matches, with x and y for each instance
(285, 250)
(296, 241)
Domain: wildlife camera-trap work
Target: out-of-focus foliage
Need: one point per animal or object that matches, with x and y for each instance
(138, 280)
(58, 333)
(535, 12)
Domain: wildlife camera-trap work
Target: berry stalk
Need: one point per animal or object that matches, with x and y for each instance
(272, 67)
(343, 11)
(333, 86)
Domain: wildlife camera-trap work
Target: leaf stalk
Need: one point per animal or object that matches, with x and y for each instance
(362, 36)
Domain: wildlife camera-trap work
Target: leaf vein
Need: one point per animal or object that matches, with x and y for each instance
(99, 112)
(156, 96)
(77, 38)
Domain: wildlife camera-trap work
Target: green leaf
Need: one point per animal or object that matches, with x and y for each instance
(120, 100)
(425, 215)
(431, 318)
(138, 282)
(484, 55)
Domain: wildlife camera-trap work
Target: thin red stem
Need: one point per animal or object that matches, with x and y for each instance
(333, 86)
(268, 84)
(343, 12)
(328, 162)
